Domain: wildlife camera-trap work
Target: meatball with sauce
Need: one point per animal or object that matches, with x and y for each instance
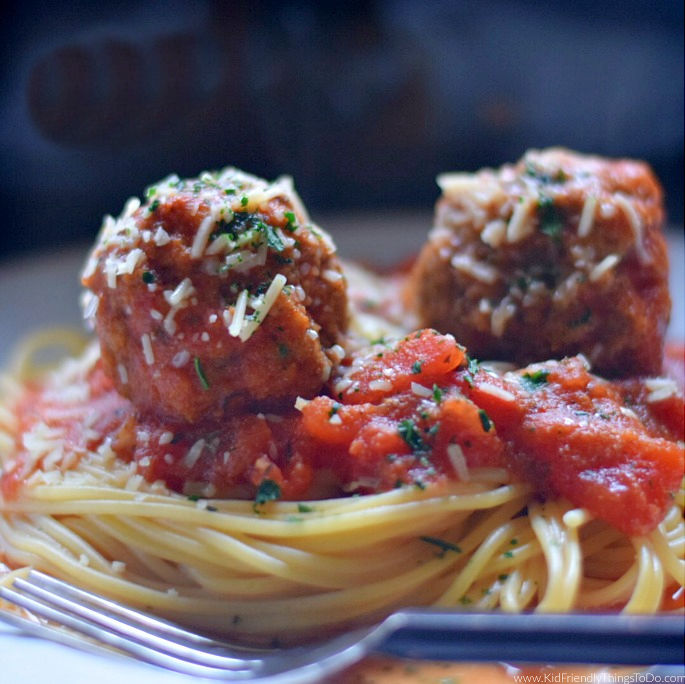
(216, 295)
(558, 254)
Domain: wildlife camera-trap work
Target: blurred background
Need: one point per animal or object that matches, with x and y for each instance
(362, 102)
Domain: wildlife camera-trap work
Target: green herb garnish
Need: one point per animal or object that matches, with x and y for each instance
(268, 490)
(534, 380)
(200, 373)
(437, 394)
(485, 420)
(272, 237)
(291, 224)
(550, 221)
(472, 367)
(443, 545)
(410, 434)
(416, 367)
(148, 277)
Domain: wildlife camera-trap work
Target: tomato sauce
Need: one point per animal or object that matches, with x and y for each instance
(413, 413)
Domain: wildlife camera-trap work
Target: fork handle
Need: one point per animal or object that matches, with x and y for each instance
(548, 638)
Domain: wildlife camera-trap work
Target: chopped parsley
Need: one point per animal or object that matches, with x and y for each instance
(443, 545)
(437, 394)
(485, 420)
(559, 177)
(472, 367)
(291, 224)
(416, 367)
(201, 373)
(268, 490)
(550, 221)
(334, 409)
(534, 380)
(153, 207)
(244, 201)
(508, 554)
(303, 508)
(148, 277)
(410, 434)
(272, 238)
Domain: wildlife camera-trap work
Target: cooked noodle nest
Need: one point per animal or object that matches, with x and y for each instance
(288, 570)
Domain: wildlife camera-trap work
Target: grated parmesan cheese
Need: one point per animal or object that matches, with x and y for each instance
(194, 453)
(166, 437)
(494, 233)
(147, 349)
(300, 403)
(636, 224)
(332, 276)
(660, 389)
(420, 390)
(161, 237)
(202, 235)
(587, 217)
(181, 358)
(500, 316)
(519, 226)
(476, 269)
(604, 266)
(238, 314)
(263, 309)
(456, 457)
(496, 391)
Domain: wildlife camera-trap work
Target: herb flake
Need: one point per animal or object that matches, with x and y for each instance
(535, 380)
(485, 420)
(268, 490)
(410, 434)
(272, 238)
(550, 220)
(201, 373)
(442, 544)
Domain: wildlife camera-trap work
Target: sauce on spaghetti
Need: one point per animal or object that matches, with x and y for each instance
(416, 412)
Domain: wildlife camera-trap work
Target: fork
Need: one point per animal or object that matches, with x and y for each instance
(425, 634)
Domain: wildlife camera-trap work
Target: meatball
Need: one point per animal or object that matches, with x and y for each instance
(216, 295)
(558, 254)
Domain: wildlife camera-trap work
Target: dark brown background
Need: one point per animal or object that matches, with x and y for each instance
(363, 102)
